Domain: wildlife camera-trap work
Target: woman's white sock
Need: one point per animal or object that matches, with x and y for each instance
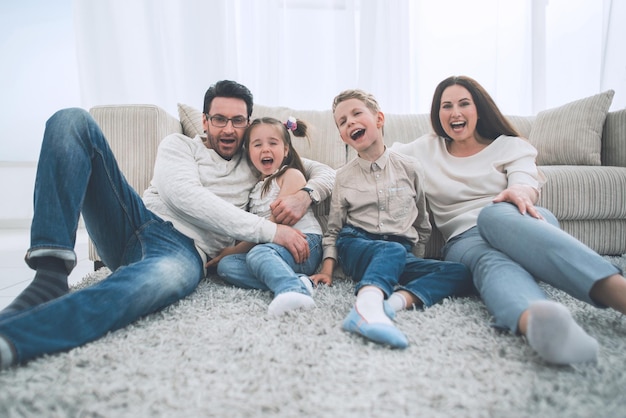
(556, 337)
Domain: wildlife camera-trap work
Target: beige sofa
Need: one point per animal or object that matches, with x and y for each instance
(582, 151)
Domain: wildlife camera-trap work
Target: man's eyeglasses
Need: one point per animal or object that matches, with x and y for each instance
(220, 121)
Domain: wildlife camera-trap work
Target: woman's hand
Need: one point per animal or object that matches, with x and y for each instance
(522, 196)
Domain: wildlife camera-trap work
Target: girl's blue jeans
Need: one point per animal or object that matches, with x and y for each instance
(152, 264)
(376, 260)
(508, 252)
(271, 267)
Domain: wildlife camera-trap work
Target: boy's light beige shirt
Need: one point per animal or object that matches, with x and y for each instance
(382, 197)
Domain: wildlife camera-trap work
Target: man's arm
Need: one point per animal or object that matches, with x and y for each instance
(321, 177)
(186, 197)
(288, 210)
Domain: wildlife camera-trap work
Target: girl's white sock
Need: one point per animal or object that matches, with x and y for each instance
(289, 301)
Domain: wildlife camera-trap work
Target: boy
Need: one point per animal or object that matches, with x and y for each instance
(378, 220)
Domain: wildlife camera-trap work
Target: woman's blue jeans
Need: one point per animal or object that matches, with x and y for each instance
(375, 260)
(507, 253)
(152, 264)
(271, 267)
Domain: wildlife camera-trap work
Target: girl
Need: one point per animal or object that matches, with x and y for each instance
(271, 266)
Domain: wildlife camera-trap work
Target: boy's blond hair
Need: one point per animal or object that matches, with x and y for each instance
(366, 98)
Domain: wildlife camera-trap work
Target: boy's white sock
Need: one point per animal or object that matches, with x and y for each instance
(397, 301)
(369, 304)
(556, 337)
(289, 301)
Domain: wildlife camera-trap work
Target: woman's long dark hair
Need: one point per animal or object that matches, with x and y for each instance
(491, 122)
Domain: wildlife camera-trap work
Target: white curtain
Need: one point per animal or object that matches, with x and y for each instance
(529, 54)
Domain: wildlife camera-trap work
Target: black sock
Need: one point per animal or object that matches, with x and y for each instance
(49, 283)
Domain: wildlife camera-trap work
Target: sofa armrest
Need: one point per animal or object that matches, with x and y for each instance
(614, 139)
(134, 133)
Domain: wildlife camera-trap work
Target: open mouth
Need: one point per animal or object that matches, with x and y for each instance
(457, 126)
(267, 162)
(357, 134)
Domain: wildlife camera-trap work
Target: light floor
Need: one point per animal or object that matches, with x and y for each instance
(15, 275)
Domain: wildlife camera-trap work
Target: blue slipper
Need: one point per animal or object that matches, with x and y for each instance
(389, 310)
(379, 333)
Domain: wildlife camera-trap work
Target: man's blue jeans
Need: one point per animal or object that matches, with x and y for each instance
(374, 260)
(508, 252)
(271, 267)
(152, 264)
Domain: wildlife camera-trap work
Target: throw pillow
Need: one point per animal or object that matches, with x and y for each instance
(191, 120)
(571, 134)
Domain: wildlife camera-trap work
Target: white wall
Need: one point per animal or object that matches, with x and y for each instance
(18, 179)
(38, 76)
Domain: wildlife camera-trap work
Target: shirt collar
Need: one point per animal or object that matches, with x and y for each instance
(381, 162)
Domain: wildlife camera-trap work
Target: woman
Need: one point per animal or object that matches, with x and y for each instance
(482, 184)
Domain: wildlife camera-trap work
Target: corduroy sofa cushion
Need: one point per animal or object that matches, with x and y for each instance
(571, 134)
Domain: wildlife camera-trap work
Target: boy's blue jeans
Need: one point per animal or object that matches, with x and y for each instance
(271, 267)
(152, 264)
(374, 260)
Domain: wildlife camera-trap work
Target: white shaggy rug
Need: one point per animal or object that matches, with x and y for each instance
(218, 354)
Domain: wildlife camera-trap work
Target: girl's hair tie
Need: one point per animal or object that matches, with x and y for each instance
(291, 123)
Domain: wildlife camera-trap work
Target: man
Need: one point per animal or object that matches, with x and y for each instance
(156, 248)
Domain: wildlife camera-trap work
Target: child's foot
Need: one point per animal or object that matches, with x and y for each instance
(556, 337)
(289, 301)
(370, 318)
(381, 333)
(398, 301)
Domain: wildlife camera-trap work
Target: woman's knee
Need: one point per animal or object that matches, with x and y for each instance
(492, 212)
(549, 216)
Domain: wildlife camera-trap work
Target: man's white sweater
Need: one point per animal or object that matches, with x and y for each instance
(206, 197)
